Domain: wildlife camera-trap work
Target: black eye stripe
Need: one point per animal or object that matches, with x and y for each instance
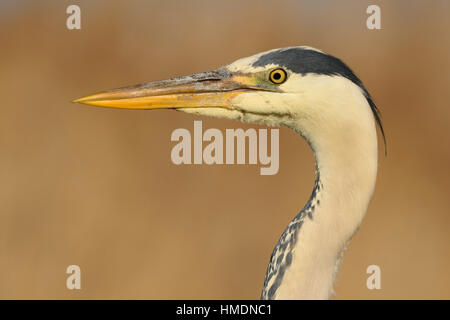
(304, 61)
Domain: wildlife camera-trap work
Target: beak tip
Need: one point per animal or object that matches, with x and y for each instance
(83, 100)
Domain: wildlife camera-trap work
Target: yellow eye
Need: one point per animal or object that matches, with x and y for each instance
(278, 76)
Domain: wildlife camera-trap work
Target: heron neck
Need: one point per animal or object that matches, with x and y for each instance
(305, 262)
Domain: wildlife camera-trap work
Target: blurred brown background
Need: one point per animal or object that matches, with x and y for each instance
(96, 187)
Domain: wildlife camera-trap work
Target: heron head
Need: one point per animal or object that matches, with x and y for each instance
(299, 87)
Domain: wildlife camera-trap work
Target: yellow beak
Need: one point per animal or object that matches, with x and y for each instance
(209, 89)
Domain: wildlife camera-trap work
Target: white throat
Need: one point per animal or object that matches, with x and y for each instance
(343, 137)
(334, 116)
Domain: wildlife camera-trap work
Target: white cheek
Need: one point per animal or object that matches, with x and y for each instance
(262, 103)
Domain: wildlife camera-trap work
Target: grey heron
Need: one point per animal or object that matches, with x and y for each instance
(320, 98)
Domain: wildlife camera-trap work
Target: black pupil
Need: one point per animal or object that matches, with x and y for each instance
(277, 76)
